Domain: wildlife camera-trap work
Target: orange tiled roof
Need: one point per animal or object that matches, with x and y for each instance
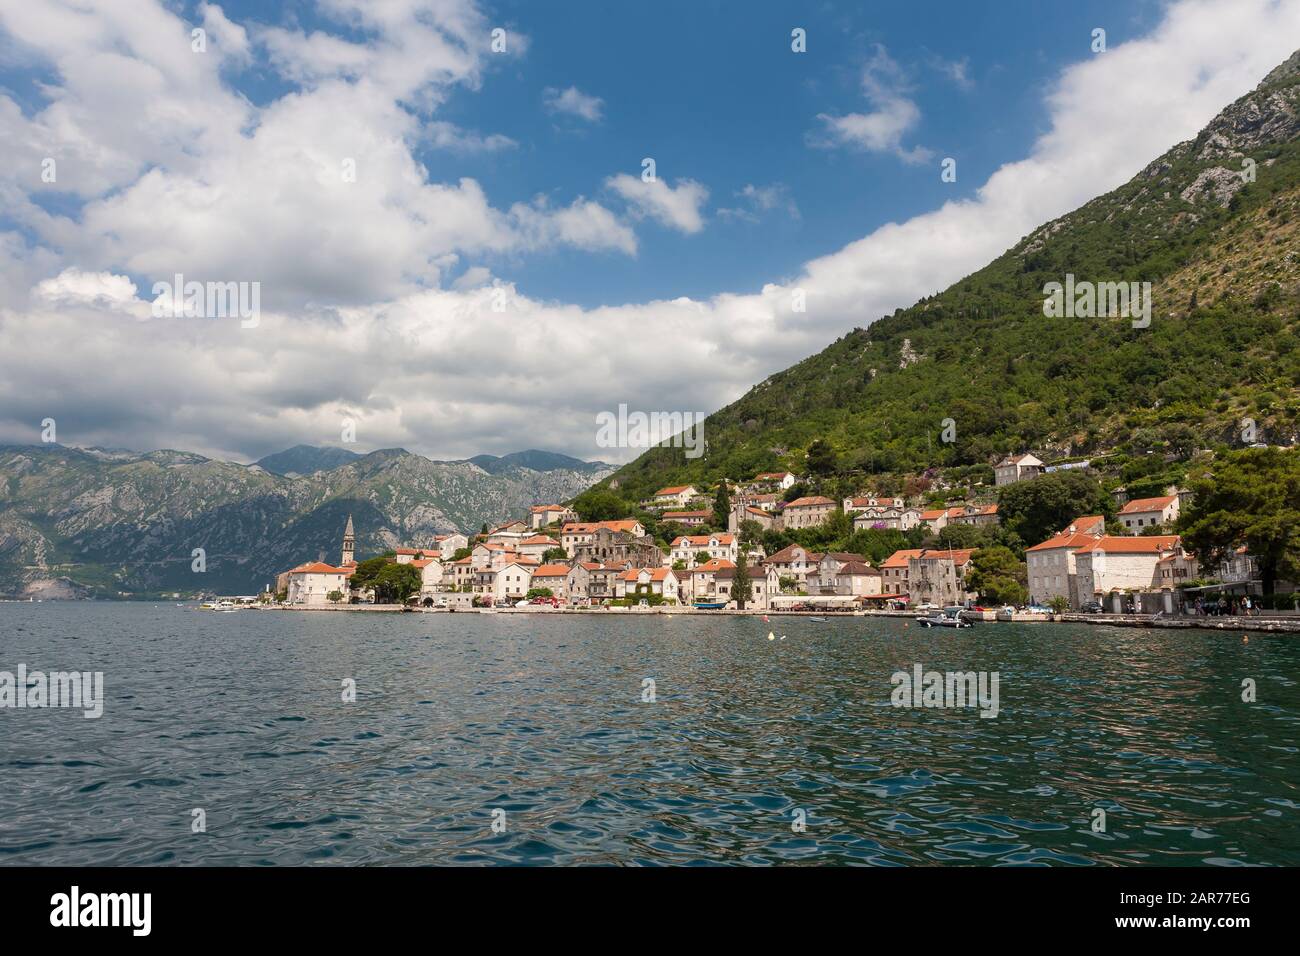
(1119, 544)
(1065, 539)
(899, 558)
(810, 501)
(319, 567)
(714, 564)
(1143, 505)
(656, 574)
(552, 571)
(702, 540)
(1085, 524)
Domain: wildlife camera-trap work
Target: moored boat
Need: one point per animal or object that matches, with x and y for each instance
(948, 617)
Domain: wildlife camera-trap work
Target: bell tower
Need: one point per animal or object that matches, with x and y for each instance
(349, 544)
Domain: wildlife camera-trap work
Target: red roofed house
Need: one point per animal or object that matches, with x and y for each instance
(408, 555)
(936, 518)
(490, 554)
(1052, 569)
(568, 583)
(431, 575)
(893, 571)
(938, 576)
(1094, 525)
(675, 496)
(509, 580)
(807, 512)
(312, 583)
(636, 582)
(1115, 563)
(701, 582)
(764, 584)
(577, 533)
(696, 548)
(795, 561)
(977, 515)
(844, 574)
(601, 585)
(890, 513)
(462, 574)
(1142, 513)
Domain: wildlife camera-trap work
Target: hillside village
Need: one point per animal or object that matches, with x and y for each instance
(731, 546)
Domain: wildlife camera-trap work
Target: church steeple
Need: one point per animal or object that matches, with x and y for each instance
(349, 544)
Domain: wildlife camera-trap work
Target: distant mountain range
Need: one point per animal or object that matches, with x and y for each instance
(984, 368)
(537, 461)
(108, 522)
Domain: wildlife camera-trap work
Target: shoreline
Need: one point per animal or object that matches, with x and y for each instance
(1257, 624)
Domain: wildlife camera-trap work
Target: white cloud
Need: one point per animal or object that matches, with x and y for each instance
(437, 370)
(677, 207)
(757, 201)
(573, 102)
(318, 195)
(894, 114)
(449, 136)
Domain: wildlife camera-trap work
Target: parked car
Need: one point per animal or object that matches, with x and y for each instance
(1038, 609)
(1091, 607)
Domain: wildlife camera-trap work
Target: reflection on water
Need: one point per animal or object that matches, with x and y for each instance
(458, 715)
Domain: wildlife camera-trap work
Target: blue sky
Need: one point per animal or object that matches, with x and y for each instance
(496, 274)
(714, 93)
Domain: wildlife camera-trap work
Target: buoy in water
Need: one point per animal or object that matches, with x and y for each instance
(771, 636)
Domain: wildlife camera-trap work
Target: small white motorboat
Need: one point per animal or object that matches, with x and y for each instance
(948, 617)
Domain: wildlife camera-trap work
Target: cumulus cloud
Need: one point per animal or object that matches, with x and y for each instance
(574, 102)
(678, 207)
(893, 115)
(441, 370)
(318, 195)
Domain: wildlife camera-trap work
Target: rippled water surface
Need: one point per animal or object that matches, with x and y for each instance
(461, 714)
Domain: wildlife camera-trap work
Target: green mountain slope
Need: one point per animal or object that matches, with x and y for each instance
(306, 459)
(1222, 255)
(79, 522)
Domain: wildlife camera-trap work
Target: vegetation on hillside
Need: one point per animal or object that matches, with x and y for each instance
(1223, 344)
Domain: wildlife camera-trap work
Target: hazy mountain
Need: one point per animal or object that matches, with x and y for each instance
(1213, 225)
(537, 461)
(127, 522)
(306, 459)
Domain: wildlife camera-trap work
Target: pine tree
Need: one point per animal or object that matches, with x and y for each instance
(744, 586)
(722, 503)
